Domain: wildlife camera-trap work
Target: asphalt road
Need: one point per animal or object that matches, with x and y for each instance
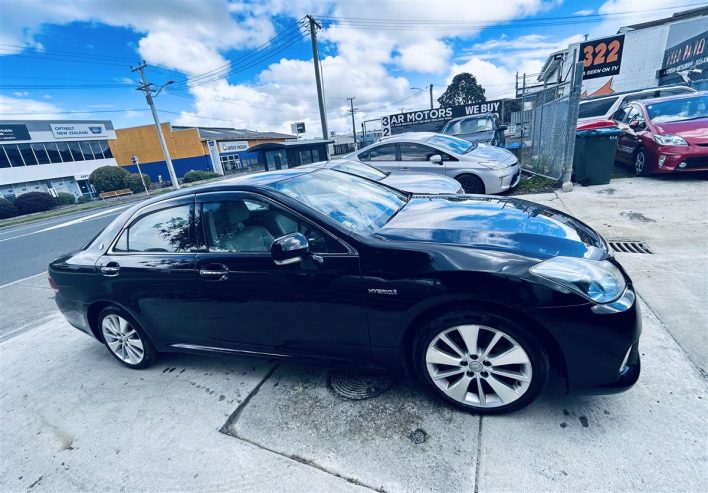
(26, 249)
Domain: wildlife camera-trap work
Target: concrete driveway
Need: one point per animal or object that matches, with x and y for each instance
(71, 418)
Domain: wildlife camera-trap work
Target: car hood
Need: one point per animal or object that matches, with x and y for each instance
(694, 131)
(422, 183)
(485, 152)
(477, 136)
(494, 223)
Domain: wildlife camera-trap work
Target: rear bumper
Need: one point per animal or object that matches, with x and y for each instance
(74, 312)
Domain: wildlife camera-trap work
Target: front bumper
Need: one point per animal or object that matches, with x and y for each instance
(599, 347)
(500, 180)
(670, 159)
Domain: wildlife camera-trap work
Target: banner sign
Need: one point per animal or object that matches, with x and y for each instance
(685, 55)
(433, 120)
(14, 132)
(233, 146)
(601, 57)
(78, 130)
(297, 128)
(214, 156)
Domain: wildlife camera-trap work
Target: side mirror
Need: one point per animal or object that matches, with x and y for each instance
(635, 124)
(289, 249)
(502, 128)
(436, 159)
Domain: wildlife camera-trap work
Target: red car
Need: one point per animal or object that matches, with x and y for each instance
(664, 135)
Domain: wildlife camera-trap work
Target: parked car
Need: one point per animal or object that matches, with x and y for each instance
(664, 135)
(478, 128)
(480, 168)
(603, 107)
(476, 296)
(407, 182)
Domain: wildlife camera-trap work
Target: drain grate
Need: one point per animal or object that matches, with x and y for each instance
(357, 385)
(629, 246)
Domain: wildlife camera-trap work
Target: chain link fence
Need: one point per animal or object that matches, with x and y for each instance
(543, 130)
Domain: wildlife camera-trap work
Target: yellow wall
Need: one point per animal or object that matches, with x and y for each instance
(143, 142)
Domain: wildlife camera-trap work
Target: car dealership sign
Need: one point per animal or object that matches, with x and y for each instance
(233, 146)
(433, 120)
(78, 130)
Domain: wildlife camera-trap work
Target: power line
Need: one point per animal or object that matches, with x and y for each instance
(70, 112)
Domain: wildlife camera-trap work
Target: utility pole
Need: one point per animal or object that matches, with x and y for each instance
(146, 88)
(352, 111)
(431, 96)
(314, 25)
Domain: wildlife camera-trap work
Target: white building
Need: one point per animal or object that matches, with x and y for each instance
(667, 51)
(52, 155)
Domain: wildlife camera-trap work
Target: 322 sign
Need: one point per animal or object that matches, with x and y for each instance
(601, 57)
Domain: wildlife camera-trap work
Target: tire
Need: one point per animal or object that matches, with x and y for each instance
(640, 163)
(125, 339)
(459, 379)
(471, 184)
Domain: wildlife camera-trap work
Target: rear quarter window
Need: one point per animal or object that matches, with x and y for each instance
(589, 109)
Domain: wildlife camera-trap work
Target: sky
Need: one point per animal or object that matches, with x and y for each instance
(248, 63)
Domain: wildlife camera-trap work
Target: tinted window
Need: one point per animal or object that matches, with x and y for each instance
(13, 154)
(63, 148)
(416, 152)
(251, 226)
(106, 149)
(166, 230)
(386, 152)
(27, 154)
(4, 161)
(76, 151)
(40, 153)
(600, 107)
(53, 152)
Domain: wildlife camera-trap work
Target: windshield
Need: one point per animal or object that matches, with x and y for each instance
(360, 169)
(359, 205)
(471, 126)
(451, 144)
(679, 109)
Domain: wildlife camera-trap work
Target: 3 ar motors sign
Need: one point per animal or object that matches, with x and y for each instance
(433, 120)
(601, 57)
(76, 130)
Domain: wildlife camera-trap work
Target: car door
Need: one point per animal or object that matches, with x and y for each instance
(382, 156)
(631, 137)
(310, 308)
(416, 158)
(150, 270)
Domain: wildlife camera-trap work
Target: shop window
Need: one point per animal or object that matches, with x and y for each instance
(106, 149)
(96, 148)
(305, 157)
(13, 155)
(4, 161)
(27, 154)
(75, 149)
(40, 153)
(85, 147)
(63, 149)
(53, 152)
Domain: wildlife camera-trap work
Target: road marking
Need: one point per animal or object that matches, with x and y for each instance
(68, 223)
(23, 279)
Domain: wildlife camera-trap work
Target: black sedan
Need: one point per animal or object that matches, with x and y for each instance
(476, 296)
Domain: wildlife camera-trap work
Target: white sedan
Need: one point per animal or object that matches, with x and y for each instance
(480, 168)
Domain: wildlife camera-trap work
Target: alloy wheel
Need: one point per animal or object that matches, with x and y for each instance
(479, 366)
(122, 339)
(639, 163)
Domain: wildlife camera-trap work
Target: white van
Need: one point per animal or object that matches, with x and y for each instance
(602, 107)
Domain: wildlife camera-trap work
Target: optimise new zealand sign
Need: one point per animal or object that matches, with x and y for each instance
(78, 130)
(601, 57)
(433, 120)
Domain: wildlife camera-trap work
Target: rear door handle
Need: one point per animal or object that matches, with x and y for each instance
(111, 269)
(214, 272)
(405, 169)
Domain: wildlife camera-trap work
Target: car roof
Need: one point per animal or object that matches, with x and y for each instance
(408, 136)
(671, 98)
(479, 115)
(629, 93)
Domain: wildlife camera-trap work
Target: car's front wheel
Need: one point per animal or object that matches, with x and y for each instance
(471, 184)
(480, 362)
(125, 339)
(640, 163)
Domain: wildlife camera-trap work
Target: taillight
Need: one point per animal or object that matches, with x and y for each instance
(53, 285)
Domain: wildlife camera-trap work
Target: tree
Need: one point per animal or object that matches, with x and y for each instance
(510, 106)
(108, 178)
(7, 209)
(136, 184)
(64, 198)
(464, 89)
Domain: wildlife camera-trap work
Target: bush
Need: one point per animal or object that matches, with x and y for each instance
(28, 203)
(198, 175)
(136, 184)
(7, 209)
(84, 199)
(64, 198)
(108, 178)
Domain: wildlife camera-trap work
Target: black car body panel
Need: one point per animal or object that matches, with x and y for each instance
(361, 306)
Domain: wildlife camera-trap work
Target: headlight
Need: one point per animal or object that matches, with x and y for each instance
(670, 140)
(494, 164)
(597, 280)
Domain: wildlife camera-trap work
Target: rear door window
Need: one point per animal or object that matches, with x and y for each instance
(416, 152)
(167, 230)
(386, 152)
(589, 109)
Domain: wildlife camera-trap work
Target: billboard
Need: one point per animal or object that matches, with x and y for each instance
(14, 132)
(233, 146)
(78, 130)
(685, 55)
(601, 57)
(433, 120)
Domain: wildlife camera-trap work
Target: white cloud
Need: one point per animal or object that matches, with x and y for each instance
(633, 13)
(26, 109)
(583, 13)
(20, 94)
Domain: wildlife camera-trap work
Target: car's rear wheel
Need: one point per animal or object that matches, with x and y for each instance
(480, 362)
(125, 339)
(471, 183)
(640, 163)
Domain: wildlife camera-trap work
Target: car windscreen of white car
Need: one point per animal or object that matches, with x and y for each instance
(360, 169)
(360, 205)
(473, 125)
(679, 110)
(451, 144)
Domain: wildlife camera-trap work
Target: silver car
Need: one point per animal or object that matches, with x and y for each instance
(480, 168)
(408, 182)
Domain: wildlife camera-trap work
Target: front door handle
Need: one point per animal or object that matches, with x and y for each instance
(214, 272)
(111, 269)
(405, 169)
